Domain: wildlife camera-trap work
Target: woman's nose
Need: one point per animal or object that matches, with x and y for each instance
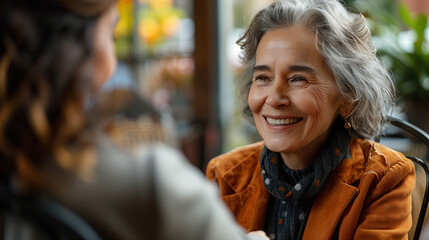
(278, 95)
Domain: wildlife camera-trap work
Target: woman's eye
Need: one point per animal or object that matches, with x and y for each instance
(298, 81)
(261, 78)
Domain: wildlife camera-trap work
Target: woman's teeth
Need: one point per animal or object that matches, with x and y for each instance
(284, 121)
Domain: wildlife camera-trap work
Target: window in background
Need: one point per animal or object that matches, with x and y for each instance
(234, 16)
(155, 41)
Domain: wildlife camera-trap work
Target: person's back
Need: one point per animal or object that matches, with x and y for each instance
(141, 187)
(108, 166)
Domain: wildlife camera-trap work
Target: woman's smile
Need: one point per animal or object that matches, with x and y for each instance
(294, 97)
(277, 122)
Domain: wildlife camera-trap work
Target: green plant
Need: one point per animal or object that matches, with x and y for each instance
(402, 43)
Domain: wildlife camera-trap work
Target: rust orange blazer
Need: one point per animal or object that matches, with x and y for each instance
(367, 197)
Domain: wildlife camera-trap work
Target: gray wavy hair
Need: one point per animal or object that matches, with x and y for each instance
(344, 41)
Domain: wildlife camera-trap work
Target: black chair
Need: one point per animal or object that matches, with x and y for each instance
(419, 139)
(46, 218)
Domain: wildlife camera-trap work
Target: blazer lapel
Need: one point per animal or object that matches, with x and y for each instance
(337, 194)
(328, 208)
(249, 201)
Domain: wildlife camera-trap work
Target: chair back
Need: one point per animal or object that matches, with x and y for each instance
(40, 217)
(414, 143)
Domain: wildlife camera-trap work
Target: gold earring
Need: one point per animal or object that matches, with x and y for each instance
(347, 125)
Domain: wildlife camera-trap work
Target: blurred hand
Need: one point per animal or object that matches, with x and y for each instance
(260, 234)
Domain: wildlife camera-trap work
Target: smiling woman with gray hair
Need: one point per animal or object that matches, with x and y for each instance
(108, 164)
(317, 93)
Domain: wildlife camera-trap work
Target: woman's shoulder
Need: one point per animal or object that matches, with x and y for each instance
(384, 160)
(242, 161)
(241, 155)
(139, 152)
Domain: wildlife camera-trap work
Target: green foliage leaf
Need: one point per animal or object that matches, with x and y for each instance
(406, 16)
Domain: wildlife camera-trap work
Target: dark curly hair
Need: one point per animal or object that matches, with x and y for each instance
(45, 75)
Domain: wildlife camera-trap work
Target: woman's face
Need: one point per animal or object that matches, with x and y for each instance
(293, 97)
(104, 49)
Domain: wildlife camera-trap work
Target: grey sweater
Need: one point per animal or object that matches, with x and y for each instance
(148, 193)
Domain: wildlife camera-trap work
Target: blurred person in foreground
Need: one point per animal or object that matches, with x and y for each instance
(317, 93)
(106, 164)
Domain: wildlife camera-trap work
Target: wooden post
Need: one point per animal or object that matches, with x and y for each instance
(206, 78)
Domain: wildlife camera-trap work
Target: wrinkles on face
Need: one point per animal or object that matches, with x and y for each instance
(316, 106)
(292, 81)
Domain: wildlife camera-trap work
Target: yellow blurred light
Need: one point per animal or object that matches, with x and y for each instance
(124, 2)
(125, 21)
(123, 27)
(160, 4)
(149, 30)
(170, 25)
